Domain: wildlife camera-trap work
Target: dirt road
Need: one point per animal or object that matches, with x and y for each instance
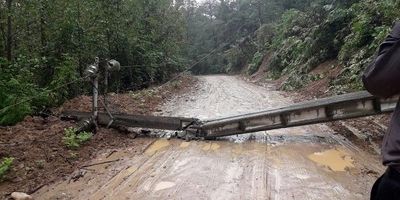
(308, 162)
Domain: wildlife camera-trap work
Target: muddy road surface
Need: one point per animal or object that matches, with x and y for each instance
(310, 162)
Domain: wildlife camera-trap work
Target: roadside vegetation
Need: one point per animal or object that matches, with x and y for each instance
(5, 165)
(44, 45)
(299, 35)
(74, 140)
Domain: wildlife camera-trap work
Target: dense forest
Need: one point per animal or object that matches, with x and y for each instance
(297, 35)
(46, 45)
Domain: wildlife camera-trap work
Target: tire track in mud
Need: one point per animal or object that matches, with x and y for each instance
(265, 165)
(118, 179)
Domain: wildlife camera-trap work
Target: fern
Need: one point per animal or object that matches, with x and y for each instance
(5, 166)
(73, 140)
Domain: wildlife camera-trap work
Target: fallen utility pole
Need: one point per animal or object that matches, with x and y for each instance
(353, 105)
(151, 122)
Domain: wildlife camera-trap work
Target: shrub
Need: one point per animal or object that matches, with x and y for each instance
(19, 95)
(255, 63)
(349, 32)
(64, 73)
(369, 28)
(21, 92)
(73, 140)
(5, 165)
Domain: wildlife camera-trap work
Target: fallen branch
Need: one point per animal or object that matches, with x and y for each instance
(112, 152)
(66, 159)
(37, 188)
(101, 163)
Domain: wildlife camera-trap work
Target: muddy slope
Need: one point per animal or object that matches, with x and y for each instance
(42, 158)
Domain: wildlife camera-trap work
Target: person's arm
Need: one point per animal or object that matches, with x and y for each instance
(382, 77)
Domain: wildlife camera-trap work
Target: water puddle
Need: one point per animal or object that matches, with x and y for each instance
(164, 185)
(211, 146)
(336, 160)
(156, 146)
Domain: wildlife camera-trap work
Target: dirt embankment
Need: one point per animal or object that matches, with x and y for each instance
(366, 132)
(40, 155)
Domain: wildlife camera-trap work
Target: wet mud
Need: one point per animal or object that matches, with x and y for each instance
(337, 160)
(310, 162)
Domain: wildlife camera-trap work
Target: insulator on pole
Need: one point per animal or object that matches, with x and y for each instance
(113, 65)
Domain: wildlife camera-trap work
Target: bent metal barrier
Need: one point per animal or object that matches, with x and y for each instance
(352, 105)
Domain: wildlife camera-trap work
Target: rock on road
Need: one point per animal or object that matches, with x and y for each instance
(309, 162)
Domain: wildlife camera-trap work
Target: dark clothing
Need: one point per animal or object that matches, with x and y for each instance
(387, 187)
(382, 78)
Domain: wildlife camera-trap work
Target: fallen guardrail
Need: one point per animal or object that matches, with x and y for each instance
(352, 105)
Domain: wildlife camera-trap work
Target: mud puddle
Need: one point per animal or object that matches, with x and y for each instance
(337, 160)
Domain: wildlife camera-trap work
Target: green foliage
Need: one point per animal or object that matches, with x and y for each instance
(290, 26)
(74, 140)
(235, 59)
(5, 165)
(19, 95)
(20, 90)
(64, 74)
(349, 32)
(299, 35)
(239, 55)
(255, 63)
(264, 36)
(371, 24)
(146, 93)
(229, 28)
(298, 80)
(52, 42)
(306, 39)
(40, 163)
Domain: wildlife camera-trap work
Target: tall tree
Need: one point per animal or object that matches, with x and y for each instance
(9, 36)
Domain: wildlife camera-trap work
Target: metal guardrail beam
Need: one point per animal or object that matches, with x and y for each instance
(353, 105)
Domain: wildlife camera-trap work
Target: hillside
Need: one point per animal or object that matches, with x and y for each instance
(300, 37)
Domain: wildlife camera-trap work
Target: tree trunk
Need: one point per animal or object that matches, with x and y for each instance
(80, 48)
(43, 37)
(8, 48)
(3, 40)
(260, 20)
